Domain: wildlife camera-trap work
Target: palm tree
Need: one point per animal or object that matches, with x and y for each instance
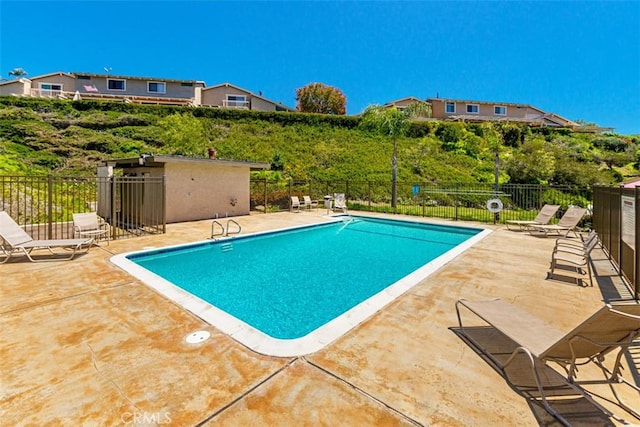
(394, 123)
(17, 73)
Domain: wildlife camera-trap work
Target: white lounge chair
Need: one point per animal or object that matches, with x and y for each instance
(308, 203)
(90, 225)
(295, 203)
(15, 239)
(340, 202)
(610, 328)
(567, 223)
(542, 218)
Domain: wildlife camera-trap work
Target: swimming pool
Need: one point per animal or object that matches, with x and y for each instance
(290, 292)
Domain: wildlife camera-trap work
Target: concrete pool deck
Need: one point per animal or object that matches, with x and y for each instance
(83, 342)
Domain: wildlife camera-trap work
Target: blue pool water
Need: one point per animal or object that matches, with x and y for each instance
(289, 283)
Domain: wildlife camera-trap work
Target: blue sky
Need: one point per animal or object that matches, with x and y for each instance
(580, 60)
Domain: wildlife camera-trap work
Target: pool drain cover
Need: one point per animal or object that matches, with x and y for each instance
(197, 337)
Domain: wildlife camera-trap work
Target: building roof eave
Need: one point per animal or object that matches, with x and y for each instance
(158, 160)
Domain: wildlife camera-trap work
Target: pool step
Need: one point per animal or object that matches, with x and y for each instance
(226, 247)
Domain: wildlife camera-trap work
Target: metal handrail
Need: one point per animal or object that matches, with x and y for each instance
(213, 229)
(231, 221)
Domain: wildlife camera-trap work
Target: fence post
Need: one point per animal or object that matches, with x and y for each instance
(540, 193)
(265, 196)
(455, 201)
(346, 196)
(112, 202)
(370, 196)
(50, 206)
(636, 272)
(164, 203)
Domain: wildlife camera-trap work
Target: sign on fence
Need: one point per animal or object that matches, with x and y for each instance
(628, 224)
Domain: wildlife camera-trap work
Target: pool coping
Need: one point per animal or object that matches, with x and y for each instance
(314, 341)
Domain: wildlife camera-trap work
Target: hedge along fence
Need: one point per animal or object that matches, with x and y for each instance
(454, 201)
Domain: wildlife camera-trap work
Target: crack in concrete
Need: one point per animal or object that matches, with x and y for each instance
(95, 366)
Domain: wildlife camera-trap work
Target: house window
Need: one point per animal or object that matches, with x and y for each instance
(473, 108)
(500, 110)
(186, 84)
(450, 107)
(156, 87)
(116, 84)
(50, 89)
(83, 77)
(236, 101)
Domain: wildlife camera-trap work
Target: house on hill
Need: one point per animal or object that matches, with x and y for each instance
(226, 95)
(483, 111)
(141, 90)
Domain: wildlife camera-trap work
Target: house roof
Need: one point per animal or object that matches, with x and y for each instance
(57, 73)
(558, 117)
(14, 81)
(157, 160)
(408, 98)
(155, 79)
(250, 93)
(631, 184)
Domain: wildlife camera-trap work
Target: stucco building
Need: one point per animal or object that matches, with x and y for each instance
(196, 188)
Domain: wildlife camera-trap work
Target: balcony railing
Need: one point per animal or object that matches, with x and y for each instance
(226, 103)
(49, 93)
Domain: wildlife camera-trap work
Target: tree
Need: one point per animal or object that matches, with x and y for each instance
(613, 151)
(17, 73)
(533, 163)
(320, 98)
(392, 122)
(184, 134)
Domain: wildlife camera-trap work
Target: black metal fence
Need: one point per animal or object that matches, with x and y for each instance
(616, 218)
(136, 205)
(454, 201)
(44, 204)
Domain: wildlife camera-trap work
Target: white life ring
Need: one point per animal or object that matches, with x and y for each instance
(494, 205)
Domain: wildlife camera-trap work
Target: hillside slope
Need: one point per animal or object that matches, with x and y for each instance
(73, 137)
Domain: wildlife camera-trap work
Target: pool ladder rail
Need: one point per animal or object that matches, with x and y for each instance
(224, 231)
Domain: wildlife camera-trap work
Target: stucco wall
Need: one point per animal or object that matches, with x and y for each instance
(437, 109)
(262, 105)
(215, 96)
(485, 109)
(199, 191)
(67, 82)
(136, 87)
(17, 87)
